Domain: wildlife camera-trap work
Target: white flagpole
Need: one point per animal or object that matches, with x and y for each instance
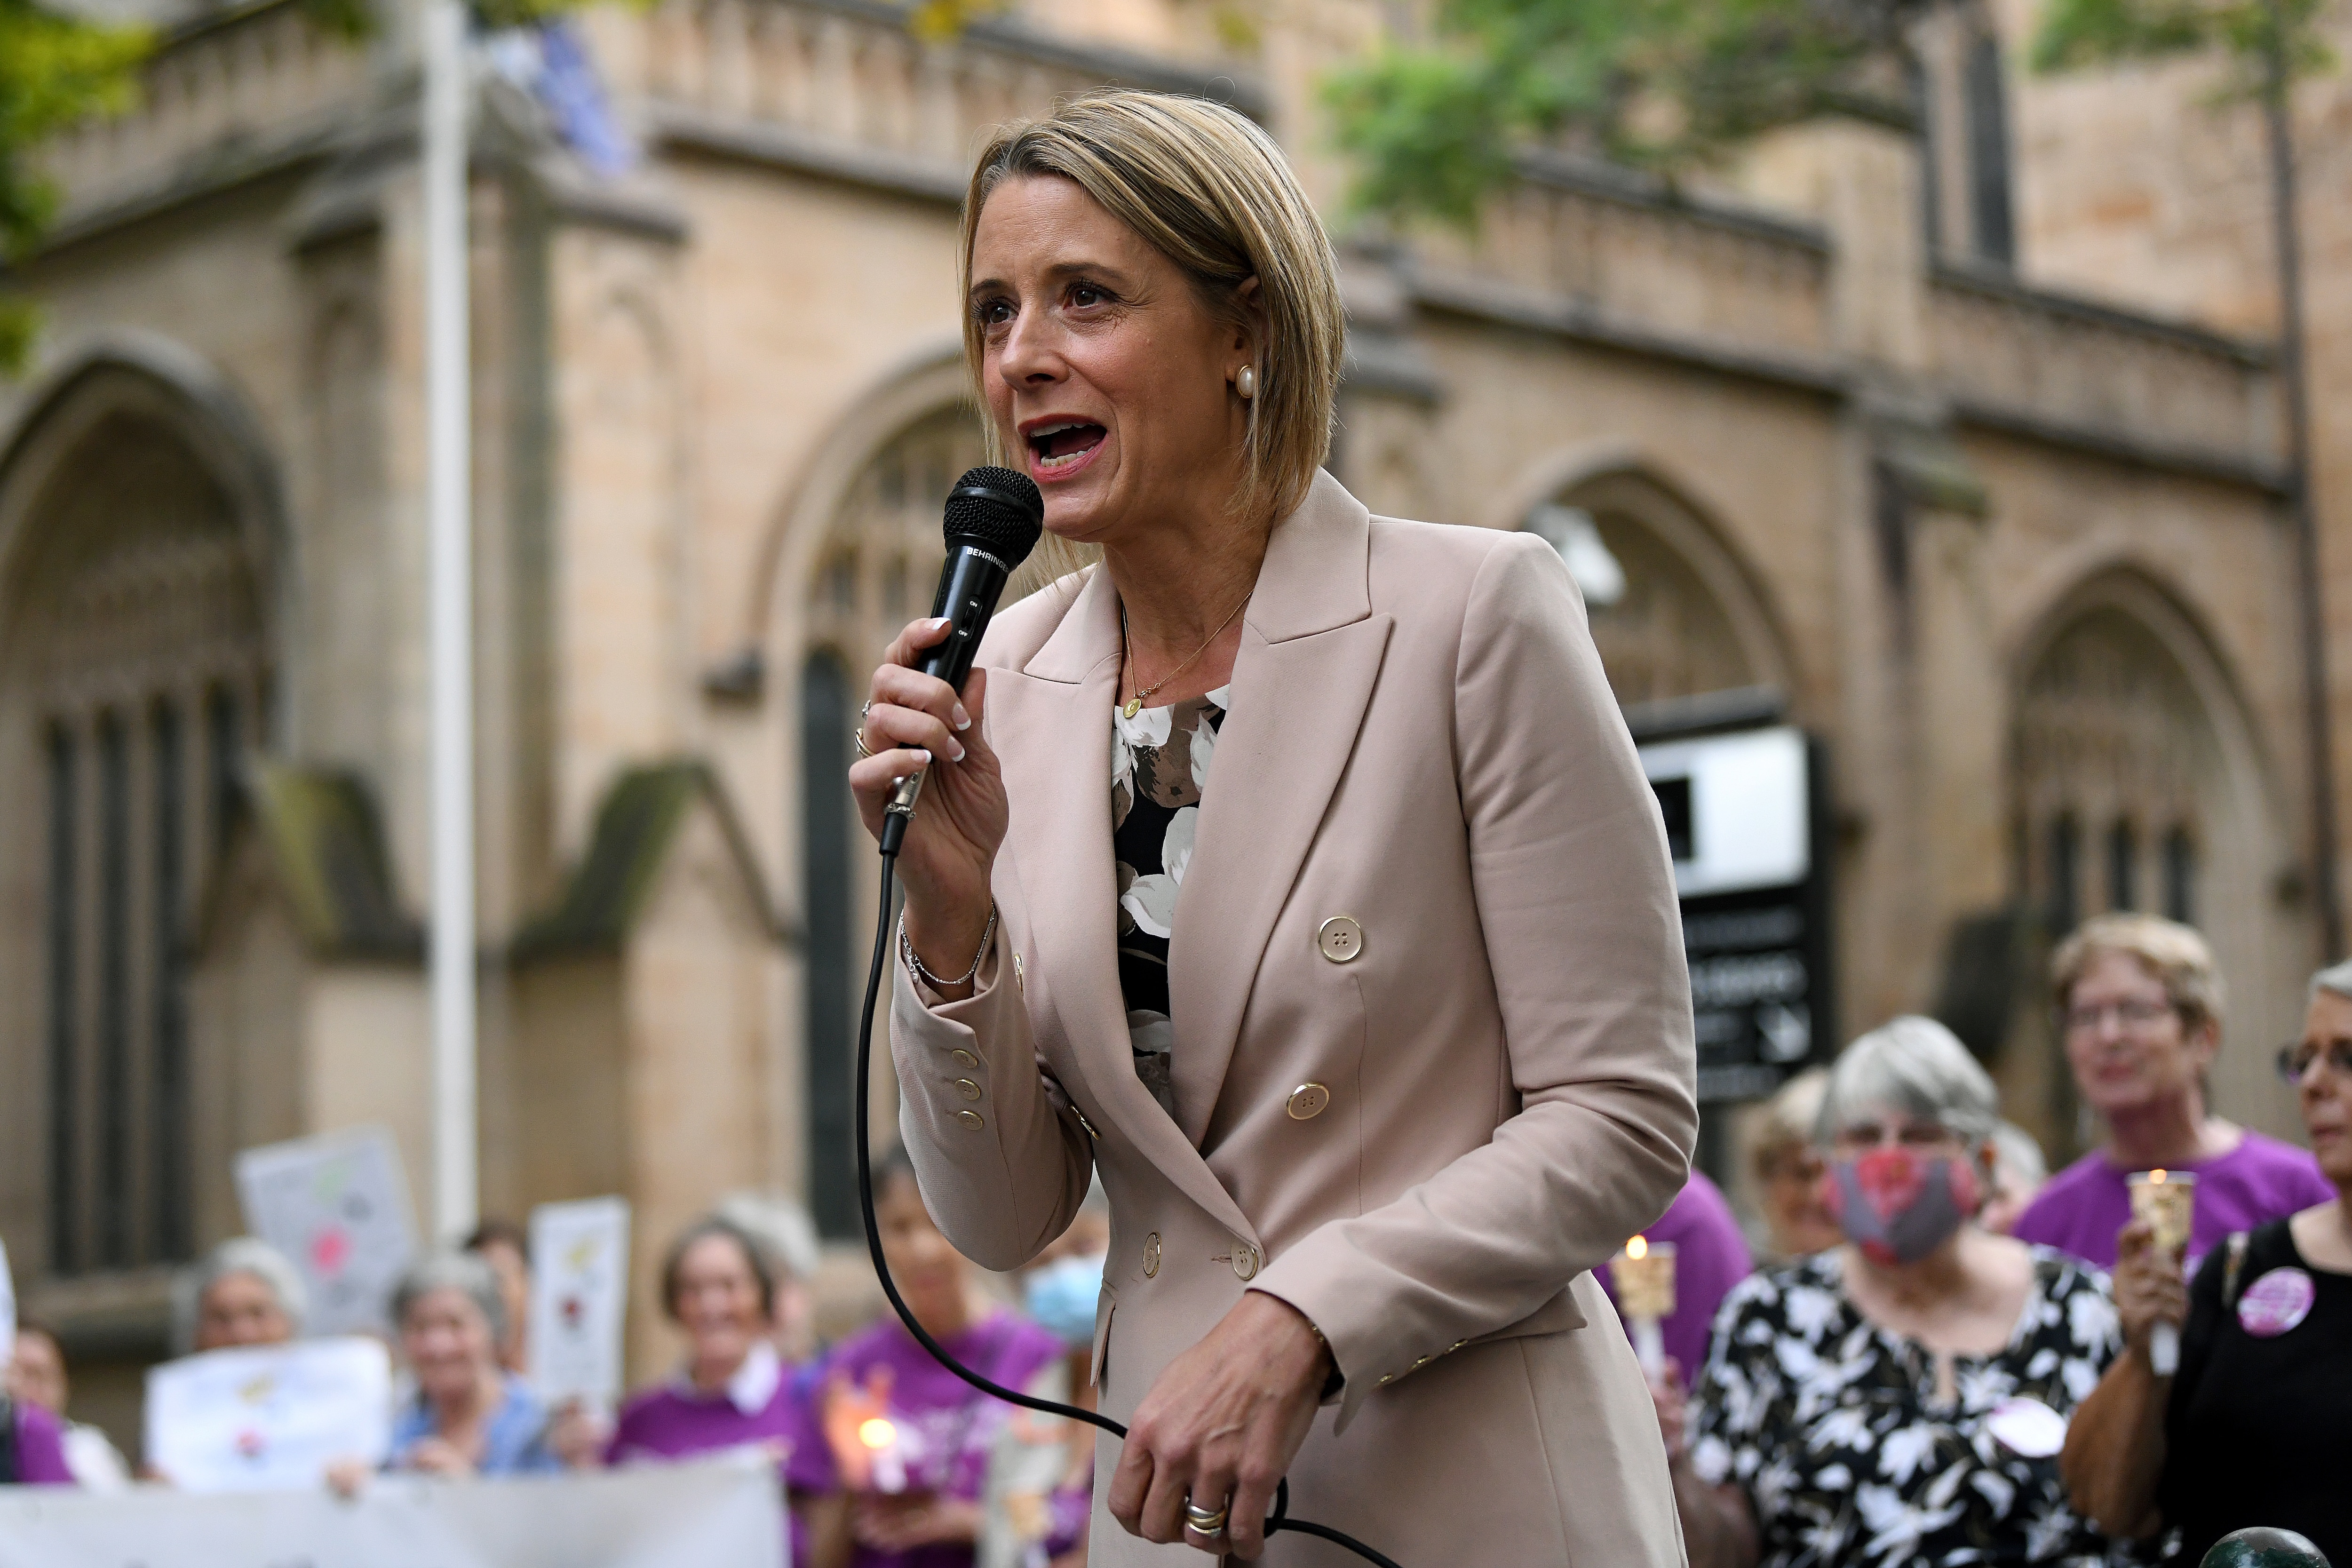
(448, 367)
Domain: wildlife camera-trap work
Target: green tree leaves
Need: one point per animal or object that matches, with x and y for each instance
(54, 71)
(1433, 126)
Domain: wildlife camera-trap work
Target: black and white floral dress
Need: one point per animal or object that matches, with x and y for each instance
(1159, 765)
(1833, 1429)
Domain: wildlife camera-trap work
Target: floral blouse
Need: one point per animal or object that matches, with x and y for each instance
(1833, 1429)
(1159, 764)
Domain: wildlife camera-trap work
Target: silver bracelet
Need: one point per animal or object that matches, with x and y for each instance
(915, 965)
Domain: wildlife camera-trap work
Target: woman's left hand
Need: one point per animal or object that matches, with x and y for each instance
(1220, 1426)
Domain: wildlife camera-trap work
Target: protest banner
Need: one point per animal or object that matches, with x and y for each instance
(722, 1510)
(269, 1416)
(337, 1206)
(579, 1297)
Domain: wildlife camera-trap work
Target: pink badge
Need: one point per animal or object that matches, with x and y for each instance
(2275, 1303)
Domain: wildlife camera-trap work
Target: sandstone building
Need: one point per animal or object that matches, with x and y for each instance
(2015, 556)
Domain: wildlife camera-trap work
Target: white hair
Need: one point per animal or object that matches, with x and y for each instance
(468, 1273)
(238, 1255)
(2335, 979)
(1916, 1066)
(780, 1227)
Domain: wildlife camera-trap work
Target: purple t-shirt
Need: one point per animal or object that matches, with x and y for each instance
(40, 1449)
(947, 1428)
(1710, 1257)
(676, 1421)
(2085, 1205)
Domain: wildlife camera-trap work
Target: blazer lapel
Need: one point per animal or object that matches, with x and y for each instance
(1050, 723)
(1310, 655)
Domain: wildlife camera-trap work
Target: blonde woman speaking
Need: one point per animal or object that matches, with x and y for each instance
(1292, 867)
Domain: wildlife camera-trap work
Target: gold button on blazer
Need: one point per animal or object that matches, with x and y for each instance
(1421, 738)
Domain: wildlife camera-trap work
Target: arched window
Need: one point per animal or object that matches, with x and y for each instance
(874, 572)
(2110, 732)
(132, 602)
(1672, 614)
(827, 710)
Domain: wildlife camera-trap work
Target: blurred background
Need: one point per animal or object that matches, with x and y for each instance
(1917, 381)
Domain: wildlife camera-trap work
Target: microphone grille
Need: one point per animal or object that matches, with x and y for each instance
(997, 510)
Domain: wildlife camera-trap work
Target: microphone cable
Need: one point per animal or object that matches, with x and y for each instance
(1278, 1520)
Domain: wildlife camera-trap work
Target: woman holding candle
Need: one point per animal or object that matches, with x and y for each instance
(1901, 1398)
(2249, 1430)
(2139, 1003)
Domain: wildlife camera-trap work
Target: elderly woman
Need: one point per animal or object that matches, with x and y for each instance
(2251, 1429)
(242, 1292)
(719, 1285)
(1376, 1025)
(470, 1415)
(1899, 1399)
(2139, 1003)
(36, 1375)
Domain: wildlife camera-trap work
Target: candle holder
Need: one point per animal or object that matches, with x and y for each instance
(2167, 1200)
(1644, 1276)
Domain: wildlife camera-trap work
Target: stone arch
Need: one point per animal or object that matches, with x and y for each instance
(142, 565)
(1692, 618)
(2137, 780)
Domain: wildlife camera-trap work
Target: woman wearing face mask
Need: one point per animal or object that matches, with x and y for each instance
(1901, 1398)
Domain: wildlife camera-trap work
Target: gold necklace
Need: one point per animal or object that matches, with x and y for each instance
(1134, 704)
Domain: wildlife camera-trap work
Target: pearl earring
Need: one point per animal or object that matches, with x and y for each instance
(1245, 381)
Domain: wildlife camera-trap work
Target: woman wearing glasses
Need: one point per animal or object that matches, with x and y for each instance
(1901, 1399)
(2139, 1003)
(2249, 1430)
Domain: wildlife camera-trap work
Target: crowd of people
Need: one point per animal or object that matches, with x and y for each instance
(1946, 1357)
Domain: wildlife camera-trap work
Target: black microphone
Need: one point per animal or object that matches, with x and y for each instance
(993, 519)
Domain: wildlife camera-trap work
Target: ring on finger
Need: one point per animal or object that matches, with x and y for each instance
(1207, 1521)
(858, 735)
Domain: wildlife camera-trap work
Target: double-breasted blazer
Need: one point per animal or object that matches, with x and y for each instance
(1431, 882)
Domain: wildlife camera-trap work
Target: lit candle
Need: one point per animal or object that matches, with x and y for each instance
(2167, 1200)
(1644, 1276)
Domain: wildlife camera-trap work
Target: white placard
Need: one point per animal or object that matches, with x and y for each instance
(1751, 825)
(579, 1298)
(722, 1510)
(268, 1417)
(7, 1310)
(337, 1206)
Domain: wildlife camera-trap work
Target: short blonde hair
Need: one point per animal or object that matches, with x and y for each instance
(1207, 188)
(2171, 952)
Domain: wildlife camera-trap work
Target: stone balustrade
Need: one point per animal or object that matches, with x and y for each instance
(1615, 247)
(2009, 354)
(848, 74)
(257, 77)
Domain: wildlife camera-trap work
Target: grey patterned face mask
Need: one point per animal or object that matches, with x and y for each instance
(1896, 1206)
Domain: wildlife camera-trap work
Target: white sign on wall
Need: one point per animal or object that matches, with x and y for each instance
(579, 1298)
(268, 1417)
(337, 1206)
(726, 1509)
(1737, 809)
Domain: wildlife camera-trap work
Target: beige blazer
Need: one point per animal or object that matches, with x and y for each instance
(1429, 880)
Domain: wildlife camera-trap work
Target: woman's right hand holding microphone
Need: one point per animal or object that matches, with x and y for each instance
(915, 722)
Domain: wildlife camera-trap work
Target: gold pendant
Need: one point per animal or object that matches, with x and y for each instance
(1134, 706)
